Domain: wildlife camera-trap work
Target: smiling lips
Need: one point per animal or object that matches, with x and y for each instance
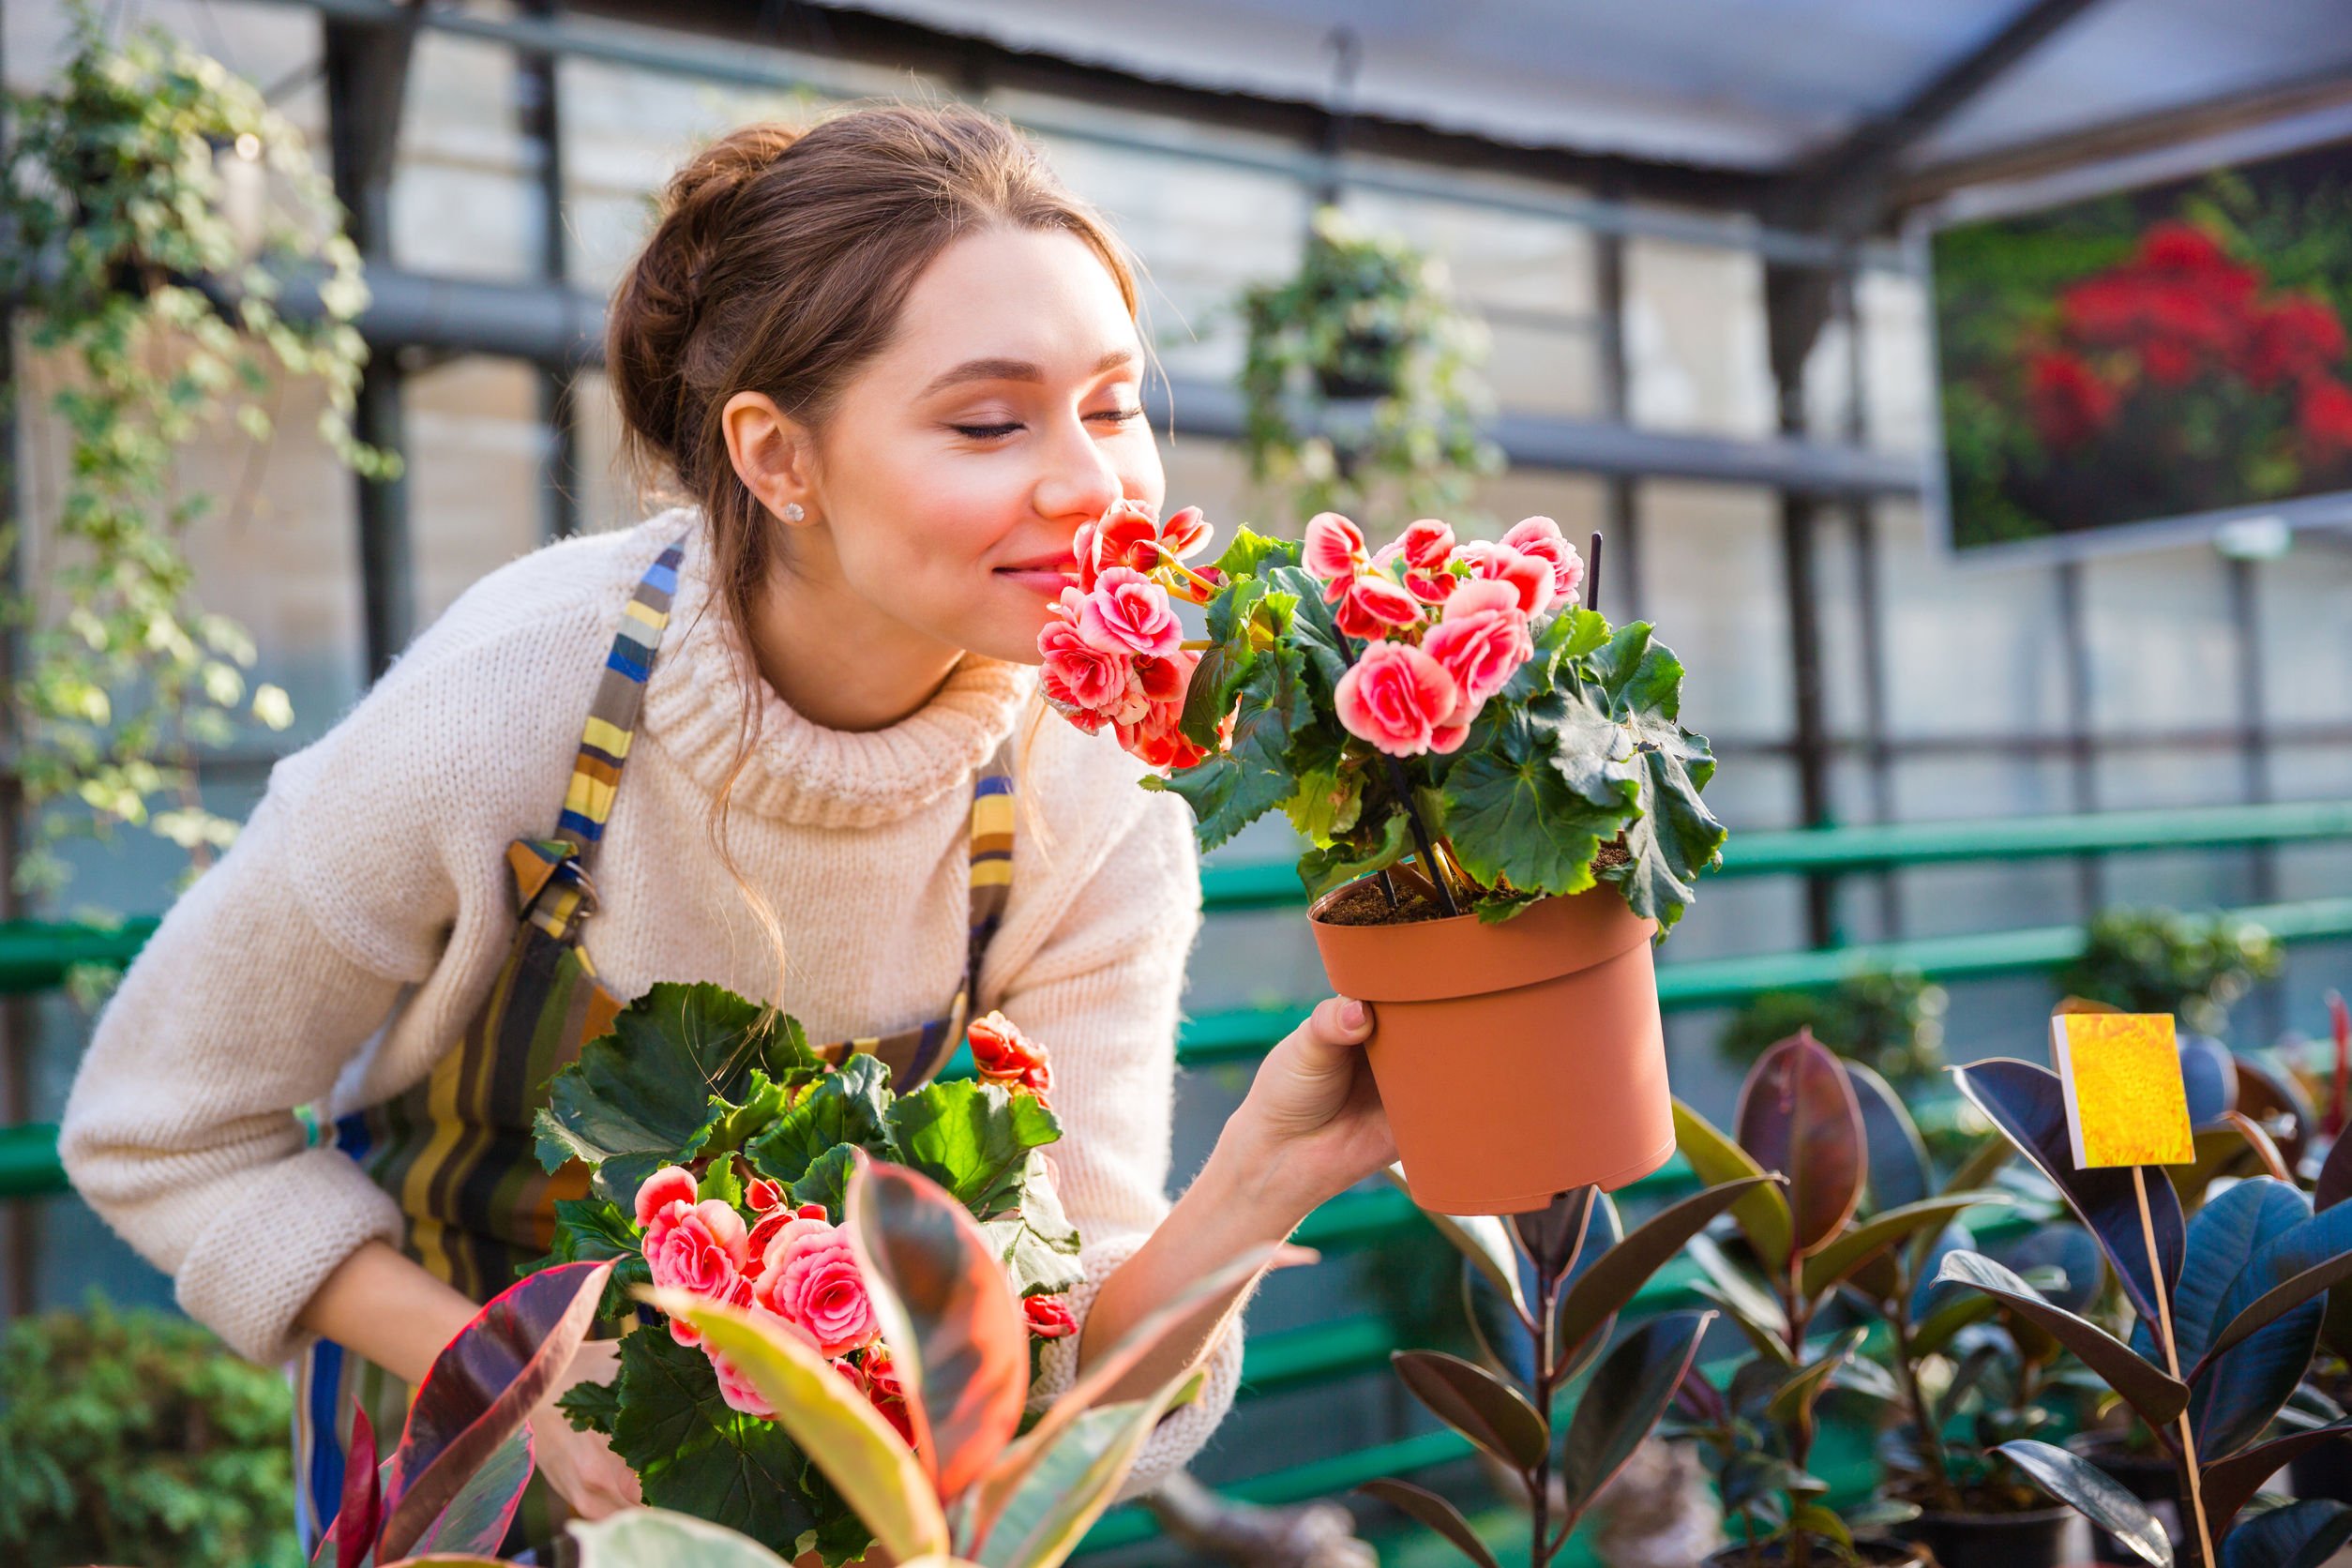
(1047, 575)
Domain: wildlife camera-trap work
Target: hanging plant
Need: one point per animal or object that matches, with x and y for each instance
(1366, 320)
(157, 207)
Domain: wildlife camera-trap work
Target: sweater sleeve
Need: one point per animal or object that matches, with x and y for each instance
(1101, 996)
(180, 1129)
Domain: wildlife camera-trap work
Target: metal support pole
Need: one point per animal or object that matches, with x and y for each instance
(539, 109)
(1623, 508)
(367, 74)
(2082, 749)
(1795, 309)
(2254, 756)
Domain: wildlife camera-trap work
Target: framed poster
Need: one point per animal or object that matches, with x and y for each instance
(2144, 354)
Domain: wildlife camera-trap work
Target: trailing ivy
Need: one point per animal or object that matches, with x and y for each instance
(156, 209)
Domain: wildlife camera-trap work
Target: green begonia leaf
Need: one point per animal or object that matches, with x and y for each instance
(763, 1101)
(1036, 1241)
(693, 1454)
(1361, 854)
(846, 1107)
(1229, 790)
(1509, 810)
(592, 1230)
(1676, 837)
(827, 1181)
(1309, 623)
(974, 1138)
(648, 1093)
(1250, 550)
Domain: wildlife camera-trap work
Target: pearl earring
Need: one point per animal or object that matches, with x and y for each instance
(792, 512)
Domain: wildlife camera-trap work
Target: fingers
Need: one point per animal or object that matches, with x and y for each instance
(1338, 1021)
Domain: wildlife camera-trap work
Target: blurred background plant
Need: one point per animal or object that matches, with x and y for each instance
(159, 210)
(1889, 1021)
(1365, 318)
(135, 1437)
(2159, 961)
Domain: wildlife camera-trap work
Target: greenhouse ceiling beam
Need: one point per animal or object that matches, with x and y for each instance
(732, 64)
(1843, 191)
(2138, 133)
(564, 327)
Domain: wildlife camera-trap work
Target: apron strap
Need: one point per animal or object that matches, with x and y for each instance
(550, 874)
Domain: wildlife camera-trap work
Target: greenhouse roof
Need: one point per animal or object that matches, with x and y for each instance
(1752, 87)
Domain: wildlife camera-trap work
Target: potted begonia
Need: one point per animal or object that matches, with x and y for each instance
(1501, 804)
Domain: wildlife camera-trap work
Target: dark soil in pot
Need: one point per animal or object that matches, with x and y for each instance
(2036, 1538)
(1876, 1550)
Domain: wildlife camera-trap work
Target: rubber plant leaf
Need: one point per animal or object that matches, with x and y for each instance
(1630, 1389)
(2025, 1103)
(1798, 1114)
(1475, 1403)
(1898, 1168)
(1554, 1234)
(1876, 1235)
(831, 1422)
(1600, 1239)
(1012, 1468)
(1420, 1504)
(2242, 1384)
(642, 1537)
(1485, 1241)
(1502, 1337)
(476, 1518)
(2094, 1494)
(2231, 1484)
(1044, 1520)
(350, 1539)
(2304, 1534)
(480, 1390)
(1762, 1212)
(956, 1333)
(1610, 1285)
(1793, 1400)
(2147, 1388)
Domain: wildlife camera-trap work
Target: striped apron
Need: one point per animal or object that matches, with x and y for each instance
(458, 1152)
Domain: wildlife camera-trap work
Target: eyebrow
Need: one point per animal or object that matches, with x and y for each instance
(1018, 370)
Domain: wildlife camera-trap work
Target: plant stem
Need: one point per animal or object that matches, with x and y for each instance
(1540, 1545)
(1930, 1440)
(1403, 791)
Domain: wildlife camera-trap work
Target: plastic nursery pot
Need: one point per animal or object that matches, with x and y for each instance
(1876, 1550)
(1518, 1060)
(2035, 1538)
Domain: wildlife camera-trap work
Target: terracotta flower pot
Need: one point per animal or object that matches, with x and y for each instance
(1518, 1059)
(1876, 1550)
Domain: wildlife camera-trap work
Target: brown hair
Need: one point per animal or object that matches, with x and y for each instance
(779, 264)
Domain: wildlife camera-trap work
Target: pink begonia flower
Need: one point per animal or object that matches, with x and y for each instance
(1530, 574)
(1048, 1316)
(699, 1247)
(1426, 547)
(1482, 638)
(1400, 700)
(1080, 680)
(763, 1195)
(878, 1380)
(670, 1185)
(1129, 613)
(1125, 535)
(1371, 605)
(1542, 538)
(1334, 547)
(809, 1278)
(736, 1389)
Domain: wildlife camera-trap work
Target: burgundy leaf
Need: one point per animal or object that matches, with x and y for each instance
(1554, 1234)
(481, 1388)
(1798, 1114)
(958, 1338)
(354, 1532)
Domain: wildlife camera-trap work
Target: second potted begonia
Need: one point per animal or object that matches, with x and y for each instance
(1501, 803)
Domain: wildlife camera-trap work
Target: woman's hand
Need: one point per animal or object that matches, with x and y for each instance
(581, 1466)
(1313, 1123)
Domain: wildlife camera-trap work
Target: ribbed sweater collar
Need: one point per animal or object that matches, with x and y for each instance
(800, 772)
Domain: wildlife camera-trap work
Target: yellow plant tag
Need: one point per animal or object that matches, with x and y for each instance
(2126, 1103)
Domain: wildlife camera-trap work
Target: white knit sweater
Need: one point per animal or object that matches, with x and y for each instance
(337, 949)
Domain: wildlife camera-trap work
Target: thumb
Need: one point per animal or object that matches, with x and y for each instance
(1337, 1023)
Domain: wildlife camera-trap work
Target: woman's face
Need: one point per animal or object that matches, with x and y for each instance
(958, 465)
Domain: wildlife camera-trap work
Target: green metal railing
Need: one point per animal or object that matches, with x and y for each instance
(36, 956)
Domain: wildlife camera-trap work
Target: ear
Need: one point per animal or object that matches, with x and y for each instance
(773, 453)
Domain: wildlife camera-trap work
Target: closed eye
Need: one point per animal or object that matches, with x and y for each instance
(995, 432)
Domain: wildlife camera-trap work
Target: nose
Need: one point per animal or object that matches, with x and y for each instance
(1079, 481)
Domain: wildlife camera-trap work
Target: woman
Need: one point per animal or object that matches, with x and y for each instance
(894, 367)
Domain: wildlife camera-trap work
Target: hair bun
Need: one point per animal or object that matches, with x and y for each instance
(658, 301)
